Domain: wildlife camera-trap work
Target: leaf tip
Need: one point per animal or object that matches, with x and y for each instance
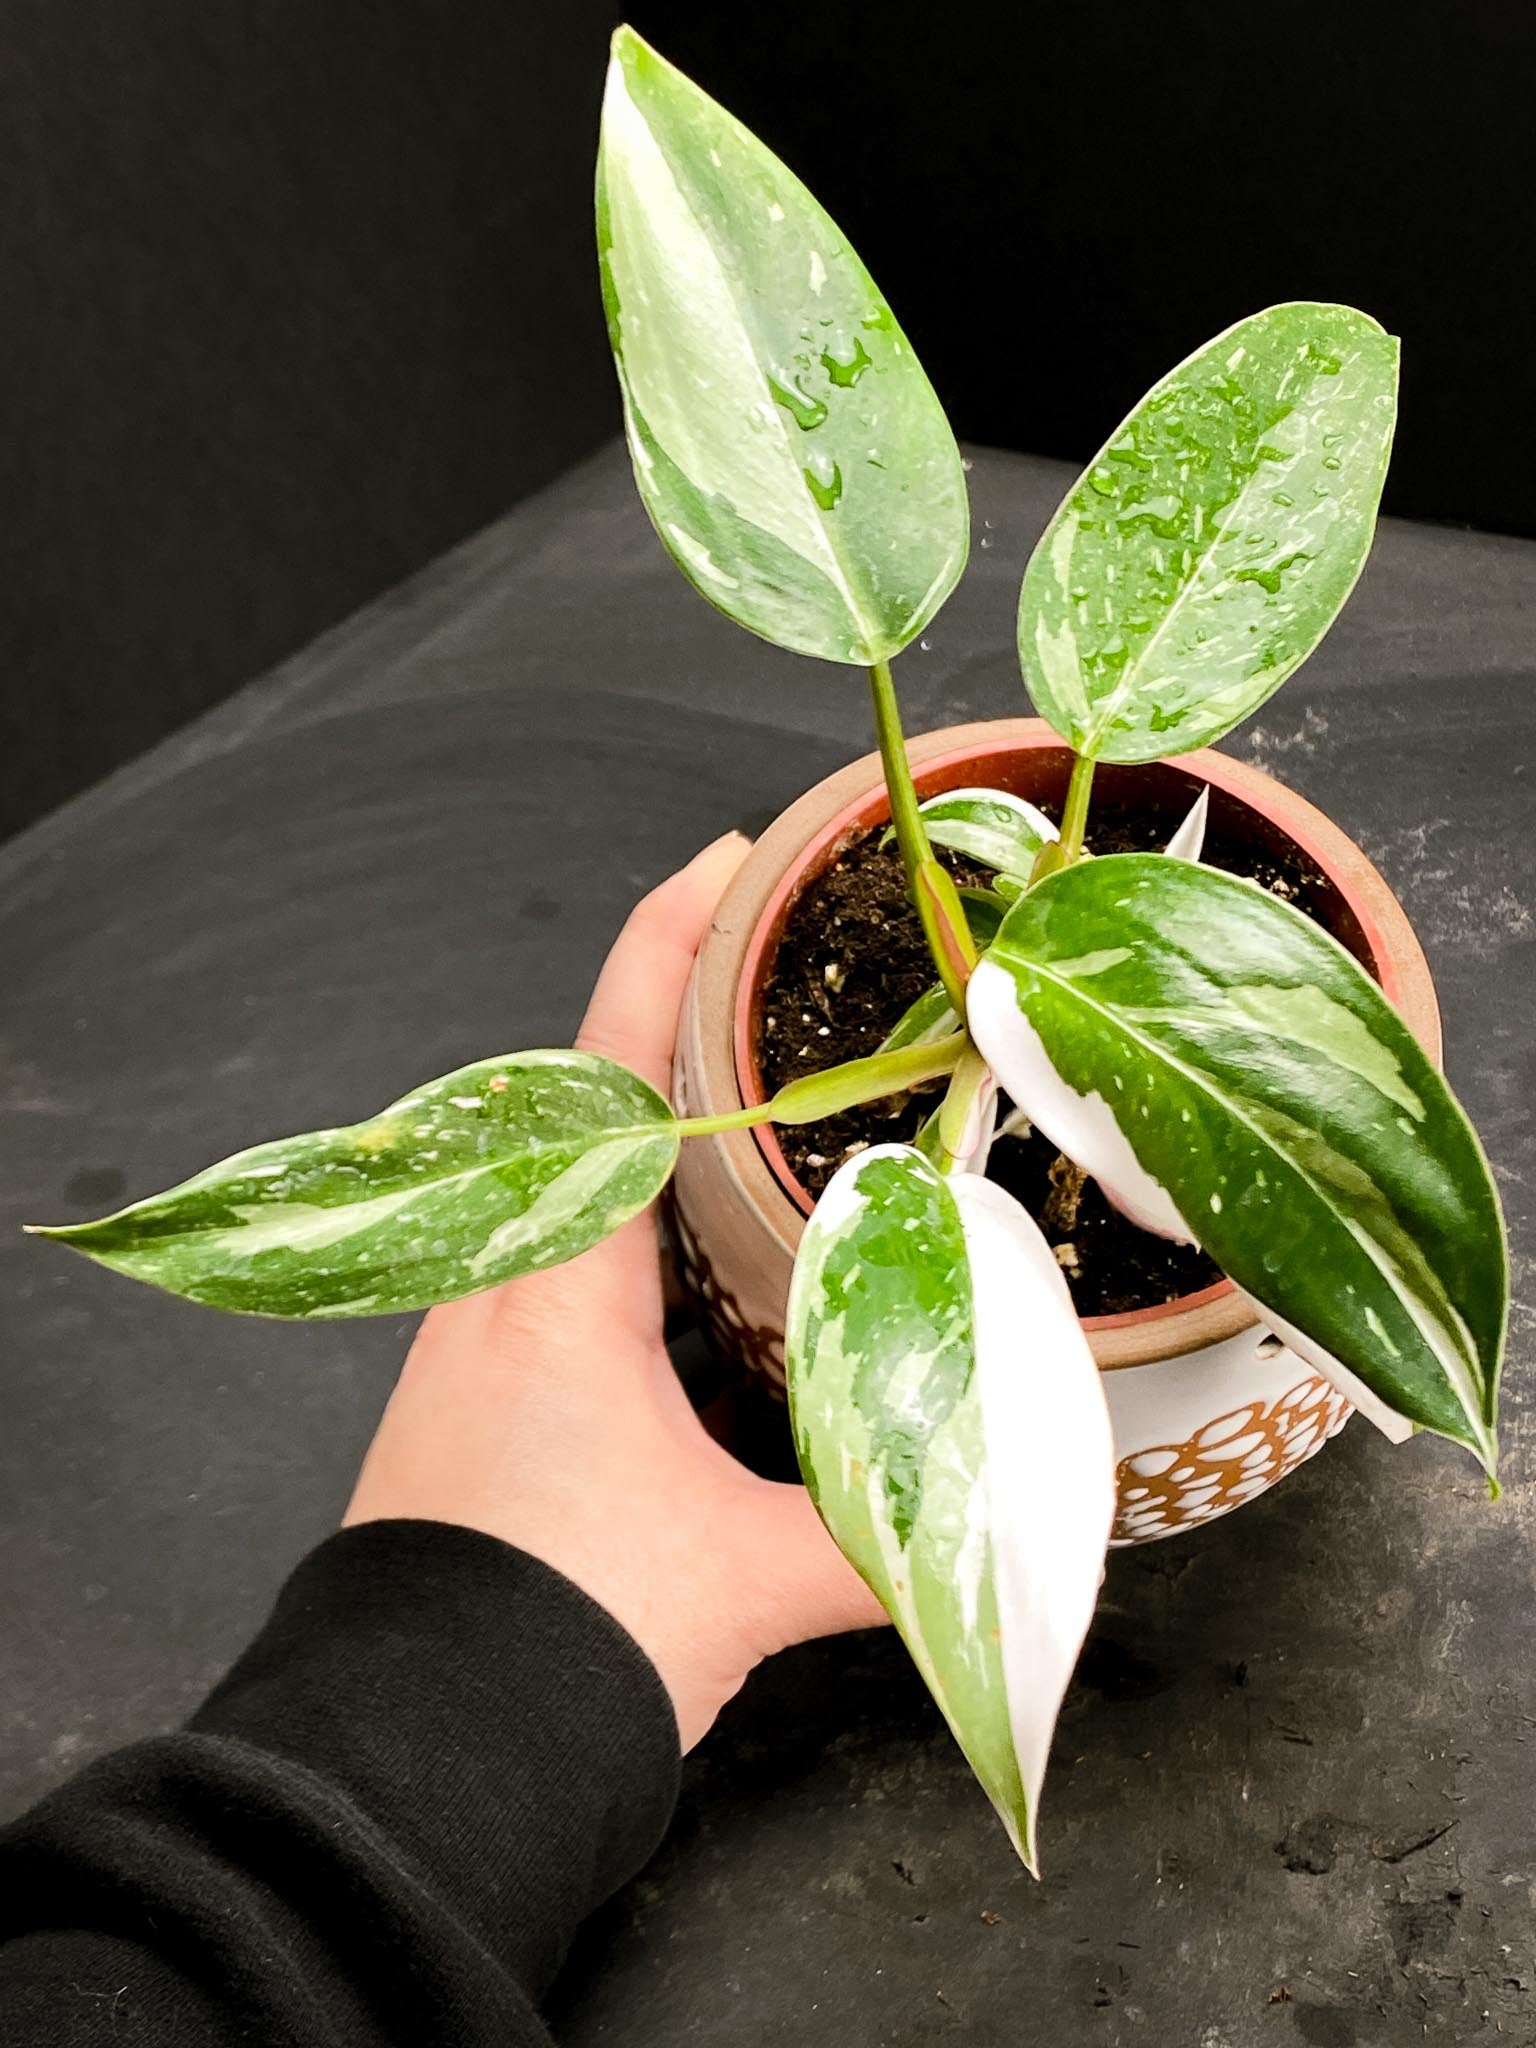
(1487, 1451)
(630, 52)
(1021, 1832)
(70, 1234)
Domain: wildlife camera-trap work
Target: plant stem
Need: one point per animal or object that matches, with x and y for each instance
(728, 1120)
(808, 1100)
(911, 833)
(970, 1077)
(1074, 818)
(933, 888)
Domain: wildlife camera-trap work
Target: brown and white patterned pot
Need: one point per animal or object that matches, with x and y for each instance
(1208, 1408)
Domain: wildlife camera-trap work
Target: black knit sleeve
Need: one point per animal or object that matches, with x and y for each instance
(383, 1827)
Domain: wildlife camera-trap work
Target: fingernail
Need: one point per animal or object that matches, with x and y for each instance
(733, 838)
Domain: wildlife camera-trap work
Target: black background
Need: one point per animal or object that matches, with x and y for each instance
(295, 296)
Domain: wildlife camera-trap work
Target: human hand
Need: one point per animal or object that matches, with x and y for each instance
(547, 1412)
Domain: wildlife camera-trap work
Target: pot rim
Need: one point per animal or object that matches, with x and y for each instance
(805, 837)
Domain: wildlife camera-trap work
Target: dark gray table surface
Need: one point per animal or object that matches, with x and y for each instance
(1293, 1791)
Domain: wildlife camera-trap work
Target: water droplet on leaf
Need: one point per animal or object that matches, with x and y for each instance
(824, 480)
(846, 370)
(807, 413)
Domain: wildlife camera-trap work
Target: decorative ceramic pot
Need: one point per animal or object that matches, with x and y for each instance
(1208, 1407)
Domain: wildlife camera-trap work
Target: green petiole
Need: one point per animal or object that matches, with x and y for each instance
(1074, 819)
(1061, 853)
(970, 1076)
(933, 889)
(808, 1100)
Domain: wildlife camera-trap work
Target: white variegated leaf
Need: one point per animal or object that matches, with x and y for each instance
(786, 443)
(498, 1169)
(992, 826)
(952, 1429)
(1230, 1075)
(1211, 543)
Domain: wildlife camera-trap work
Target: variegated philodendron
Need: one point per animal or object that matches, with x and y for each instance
(1224, 1069)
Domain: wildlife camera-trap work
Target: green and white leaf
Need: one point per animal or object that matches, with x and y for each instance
(992, 826)
(952, 1430)
(1230, 1074)
(1214, 538)
(501, 1168)
(786, 442)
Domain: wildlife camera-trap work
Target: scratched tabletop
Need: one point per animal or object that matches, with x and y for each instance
(1294, 1791)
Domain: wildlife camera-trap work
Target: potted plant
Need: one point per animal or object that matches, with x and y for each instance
(1213, 1058)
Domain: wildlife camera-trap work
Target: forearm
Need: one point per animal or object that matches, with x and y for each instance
(383, 1827)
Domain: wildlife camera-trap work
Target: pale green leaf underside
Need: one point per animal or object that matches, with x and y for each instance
(1262, 1080)
(786, 443)
(1212, 541)
(501, 1168)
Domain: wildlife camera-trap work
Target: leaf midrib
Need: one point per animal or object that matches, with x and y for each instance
(1204, 1086)
(430, 1186)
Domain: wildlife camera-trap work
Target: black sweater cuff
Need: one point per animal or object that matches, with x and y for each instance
(498, 1728)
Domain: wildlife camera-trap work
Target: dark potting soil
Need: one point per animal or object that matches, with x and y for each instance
(852, 959)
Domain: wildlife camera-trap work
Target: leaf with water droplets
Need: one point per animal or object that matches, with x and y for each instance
(1229, 1074)
(951, 1427)
(992, 826)
(501, 1168)
(786, 442)
(1212, 542)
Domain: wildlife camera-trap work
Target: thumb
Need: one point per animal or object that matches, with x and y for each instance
(815, 1591)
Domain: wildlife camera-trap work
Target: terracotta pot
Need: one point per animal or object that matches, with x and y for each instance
(1208, 1408)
